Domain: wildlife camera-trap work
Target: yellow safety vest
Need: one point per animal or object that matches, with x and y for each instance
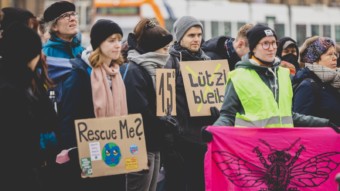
(260, 107)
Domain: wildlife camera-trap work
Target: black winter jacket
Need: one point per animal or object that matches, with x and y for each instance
(141, 98)
(190, 127)
(221, 47)
(24, 115)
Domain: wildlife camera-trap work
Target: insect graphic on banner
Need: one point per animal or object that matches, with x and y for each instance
(281, 173)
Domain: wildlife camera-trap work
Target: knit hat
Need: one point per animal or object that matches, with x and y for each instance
(255, 34)
(313, 52)
(183, 24)
(154, 37)
(15, 14)
(56, 9)
(101, 30)
(22, 44)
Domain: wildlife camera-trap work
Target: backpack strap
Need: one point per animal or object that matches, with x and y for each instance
(126, 69)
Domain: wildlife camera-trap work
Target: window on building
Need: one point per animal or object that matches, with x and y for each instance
(280, 30)
(214, 28)
(315, 30)
(227, 28)
(300, 34)
(337, 33)
(326, 29)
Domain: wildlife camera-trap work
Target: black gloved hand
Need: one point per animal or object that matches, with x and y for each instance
(170, 123)
(206, 135)
(215, 113)
(334, 126)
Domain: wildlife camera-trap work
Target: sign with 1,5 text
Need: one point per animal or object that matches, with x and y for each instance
(165, 92)
(204, 83)
(112, 145)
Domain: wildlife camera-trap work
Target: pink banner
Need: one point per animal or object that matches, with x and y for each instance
(279, 159)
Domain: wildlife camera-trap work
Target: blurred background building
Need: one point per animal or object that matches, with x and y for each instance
(295, 18)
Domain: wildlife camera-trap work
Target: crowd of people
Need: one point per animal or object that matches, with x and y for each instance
(48, 80)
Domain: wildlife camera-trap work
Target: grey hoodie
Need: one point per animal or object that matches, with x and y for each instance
(150, 61)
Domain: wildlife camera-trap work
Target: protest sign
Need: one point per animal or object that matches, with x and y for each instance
(204, 83)
(113, 145)
(165, 92)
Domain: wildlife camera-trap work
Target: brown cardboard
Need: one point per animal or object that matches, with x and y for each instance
(204, 83)
(97, 135)
(165, 91)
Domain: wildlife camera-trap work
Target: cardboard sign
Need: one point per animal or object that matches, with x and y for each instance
(204, 83)
(165, 92)
(108, 146)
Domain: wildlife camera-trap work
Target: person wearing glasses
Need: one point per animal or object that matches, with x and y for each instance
(259, 91)
(318, 89)
(61, 21)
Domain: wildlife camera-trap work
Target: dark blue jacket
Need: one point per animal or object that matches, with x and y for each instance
(314, 97)
(76, 102)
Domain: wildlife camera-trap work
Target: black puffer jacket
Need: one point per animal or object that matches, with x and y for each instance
(221, 48)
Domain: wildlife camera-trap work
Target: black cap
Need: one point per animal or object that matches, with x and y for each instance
(58, 8)
(255, 34)
(101, 30)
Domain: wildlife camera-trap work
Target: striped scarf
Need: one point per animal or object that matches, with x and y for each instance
(326, 74)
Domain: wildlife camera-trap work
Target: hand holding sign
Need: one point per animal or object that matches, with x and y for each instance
(204, 83)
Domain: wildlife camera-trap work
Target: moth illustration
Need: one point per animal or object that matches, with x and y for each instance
(278, 172)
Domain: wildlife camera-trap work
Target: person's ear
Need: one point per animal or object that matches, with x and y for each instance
(241, 43)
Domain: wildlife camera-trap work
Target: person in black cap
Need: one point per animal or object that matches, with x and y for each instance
(95, 89)
(148, 51)
(259, 91)
(61, 20)
(288, 52)
(25, 111)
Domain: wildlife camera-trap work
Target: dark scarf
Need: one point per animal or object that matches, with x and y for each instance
(185, 55)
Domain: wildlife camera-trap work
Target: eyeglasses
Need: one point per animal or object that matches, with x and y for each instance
(266, 45)
(333, 54)
(67, 16)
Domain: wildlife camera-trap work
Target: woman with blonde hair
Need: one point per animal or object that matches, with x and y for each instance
(97, 91)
